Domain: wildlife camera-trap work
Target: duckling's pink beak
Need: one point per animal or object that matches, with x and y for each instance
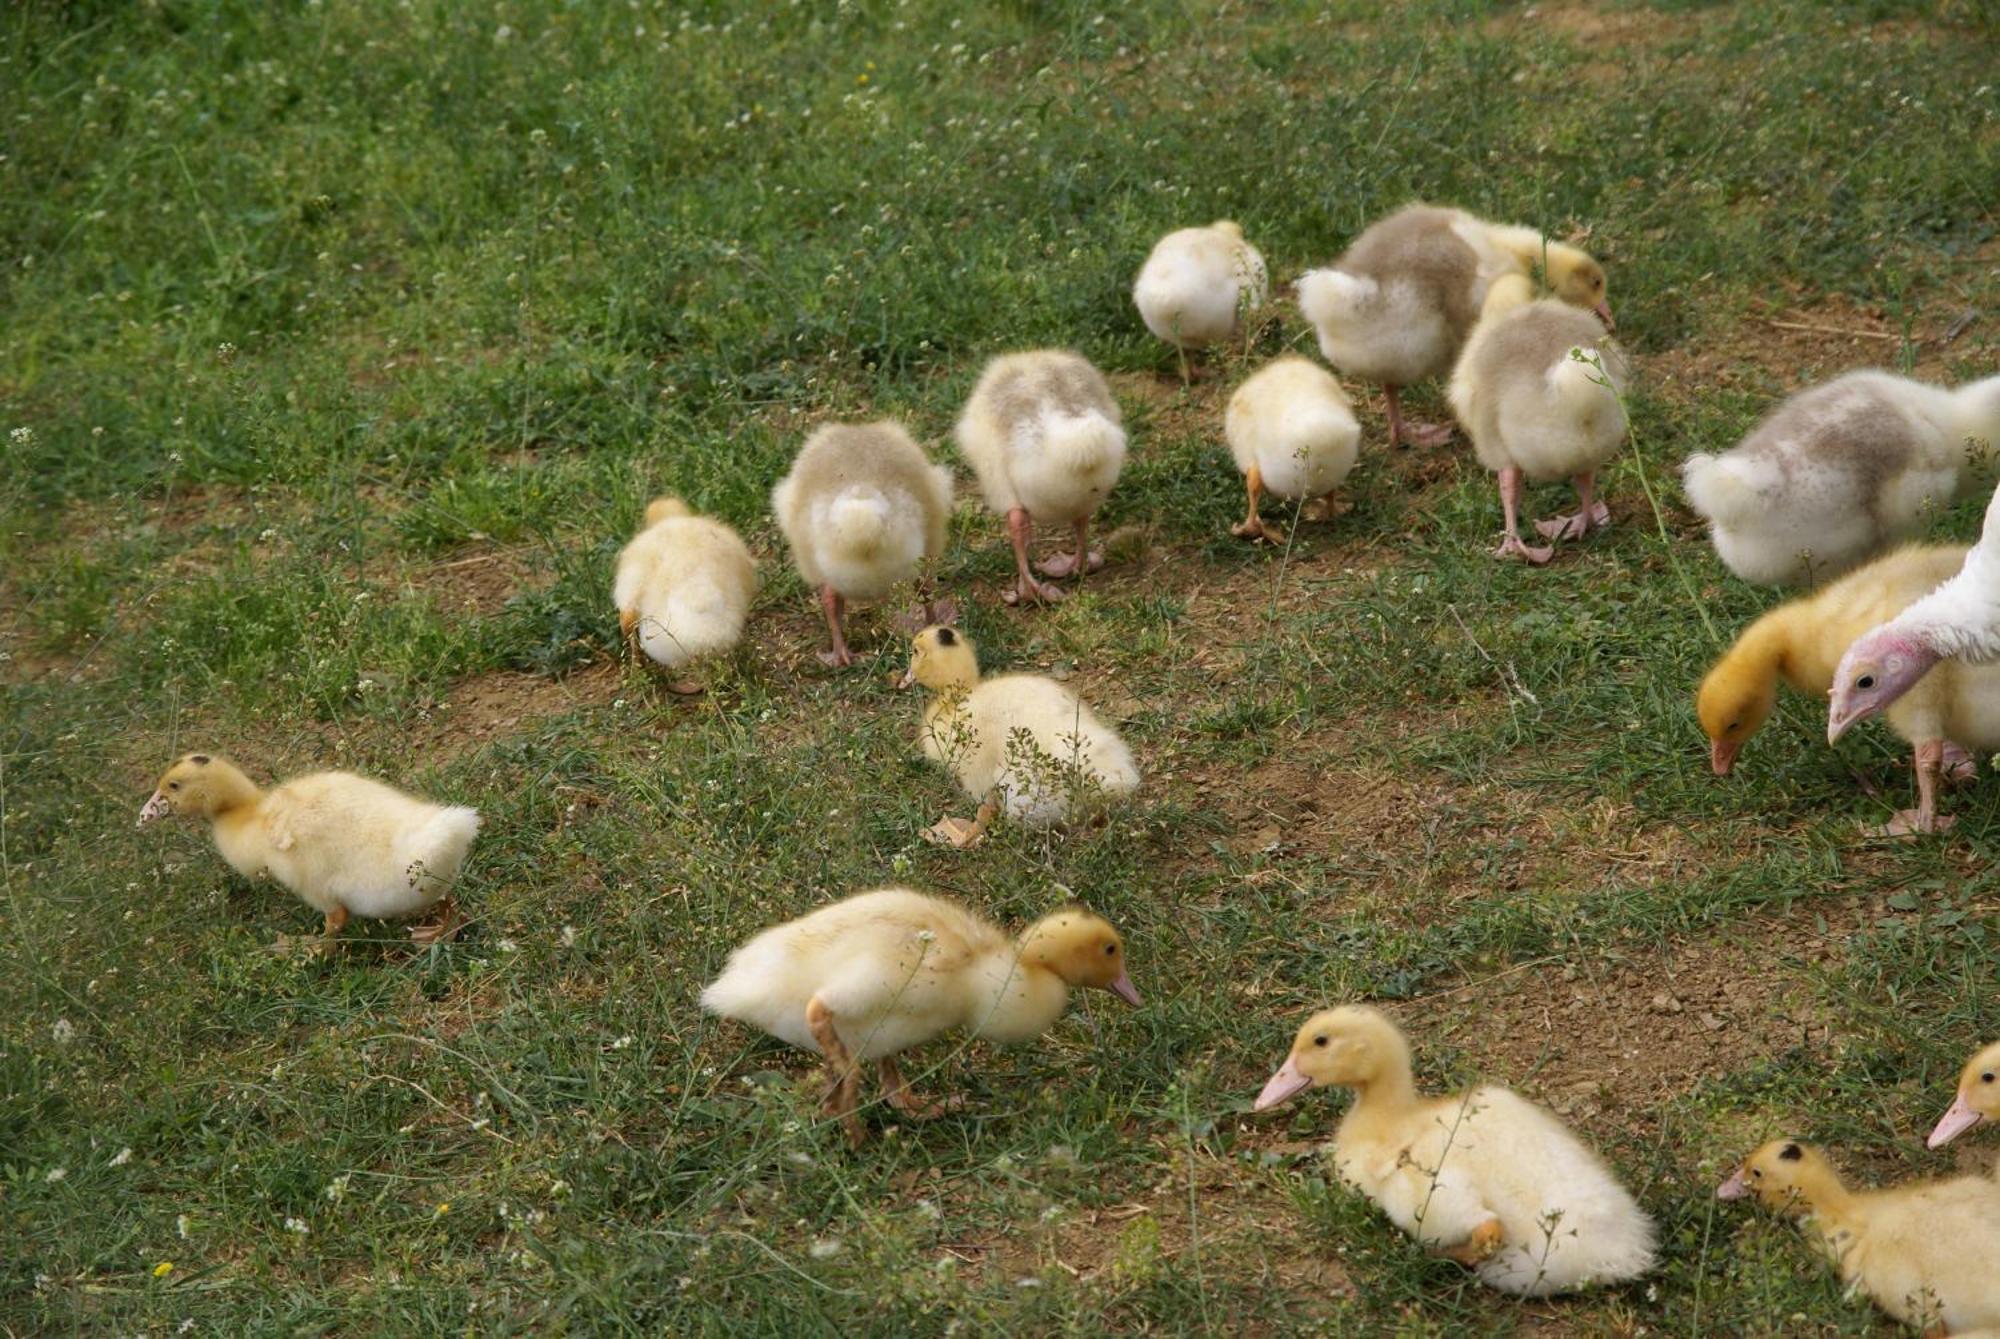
(1603, 310)
(1124, 989)
(1722, 755)
(1286, 1084)
(157, 807)
(909, 678)
(1954, 1123)
(1735, 1188)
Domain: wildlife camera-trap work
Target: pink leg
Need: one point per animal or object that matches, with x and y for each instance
(1402, 432)
(1590, 513)
(1019, 527)
(1925, 817)
(1070, 564)
(835, 606)
(1510, 508)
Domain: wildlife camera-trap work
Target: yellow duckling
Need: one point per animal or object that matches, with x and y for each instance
(1978, 1098)
(1485, 1177)
(1019, 744)
(683, 587)
(341, 843)
(880, 972)
(1928, 1252)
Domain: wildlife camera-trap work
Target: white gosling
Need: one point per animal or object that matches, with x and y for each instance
(863, 510)
(1538, 389)
(1839, 472)
(1045, 437)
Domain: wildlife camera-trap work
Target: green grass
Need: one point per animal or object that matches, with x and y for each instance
(342, 345)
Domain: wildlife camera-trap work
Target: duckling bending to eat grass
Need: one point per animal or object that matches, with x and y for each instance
(1018, 744)
(1928, 1252)
(1197, 285)
(1803, 640)
(878, 973)
(1977, 1100)
(862, 510)
(1291, 431)
(341, 843)
(1045, 436)
(1485, 1177)
(683, 587)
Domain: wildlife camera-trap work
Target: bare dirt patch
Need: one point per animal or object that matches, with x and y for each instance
(1618, 1034)
(479, 710)
(479, 584)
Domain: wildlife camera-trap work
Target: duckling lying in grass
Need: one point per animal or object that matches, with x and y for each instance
(1018, 744)
(1045, 437)
(1928, 1252)
(1978, 1098)
(1486, 1177)
(1292, 431)
(1197, 285)
(1801, 641)
(880, 972)
(862, 509)
(342, 843)
(683, 588)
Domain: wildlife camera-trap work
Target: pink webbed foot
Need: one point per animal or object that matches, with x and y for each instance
(838, 657)
(1913, 823)
(1959, 766)
(1512, 548)
(1425, 434)
(1066, 564)
(1250, 530)
(1576, 526)
(1035, 592)
(960, 833)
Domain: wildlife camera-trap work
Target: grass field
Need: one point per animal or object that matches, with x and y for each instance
(342, 345)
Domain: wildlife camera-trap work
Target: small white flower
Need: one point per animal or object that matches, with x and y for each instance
(23, 435)
(185, 1326)
(569, 936)
(825, 1248)
(507, 946)
(622, 1043)
(183, 1225)
(64, 1032)
(502, 33)
(55, 1174)
(336, 1189)
(297, 1225)
(124, 1156)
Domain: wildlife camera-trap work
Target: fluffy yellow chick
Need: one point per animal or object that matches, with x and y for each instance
(683, 587)
(878, 973)
(1802, 641)
(1018, 744)
(1291, 430)
(1485, 1177)
(1928, 1253)
(1197, 284)
(1978, 1098)
(341, 843)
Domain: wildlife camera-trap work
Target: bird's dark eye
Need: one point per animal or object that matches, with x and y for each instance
(1756, 1175)
(1987, 1077)
(173, 785)
(1733, 727)
(1111, 950)
(1319, 1040)
(1865, 681)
